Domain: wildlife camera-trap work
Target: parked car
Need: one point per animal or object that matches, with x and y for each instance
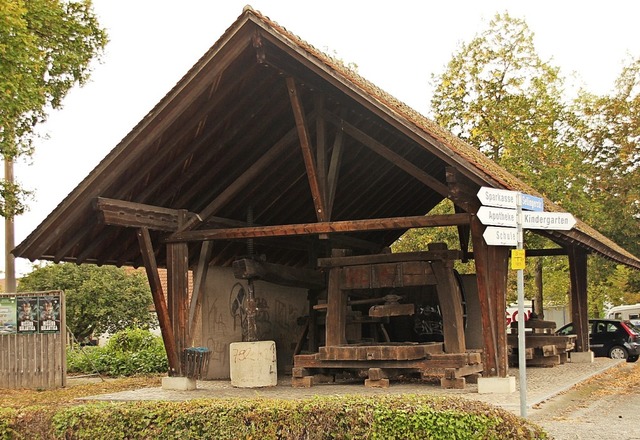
(610, 338)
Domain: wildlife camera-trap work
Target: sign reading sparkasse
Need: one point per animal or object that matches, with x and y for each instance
(500, 198)
(500, 209)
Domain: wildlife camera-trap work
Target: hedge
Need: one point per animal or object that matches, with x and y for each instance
(321, 417)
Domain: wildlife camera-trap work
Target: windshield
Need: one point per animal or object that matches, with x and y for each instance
(635, 329)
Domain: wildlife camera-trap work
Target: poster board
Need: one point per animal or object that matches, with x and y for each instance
(32, 340)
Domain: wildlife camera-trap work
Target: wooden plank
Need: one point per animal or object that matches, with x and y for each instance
(450, 300)
(151, 267)
(130, 214)
(241, 182)
(401, 257)
(334, 167)
(199, 280)
(305, 145)
(499, 262)
(321, 152)
(389, 351)
(356, 277)
(321, 228)
(384, 310)
(386, 275)
(417, 273)
(336, 311)
(489, 337)
(578, 286)
(390, 155)
(178, 293)
(247, 268)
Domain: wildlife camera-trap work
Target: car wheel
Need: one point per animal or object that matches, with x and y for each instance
(632, 358)
(618, 352)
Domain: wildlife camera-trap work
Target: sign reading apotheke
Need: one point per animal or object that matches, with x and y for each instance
(499, 210)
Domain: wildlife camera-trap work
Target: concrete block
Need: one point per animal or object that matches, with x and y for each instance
(378, 383)
(253, 364)
(496, 385)
(581, 357)
(178, 383)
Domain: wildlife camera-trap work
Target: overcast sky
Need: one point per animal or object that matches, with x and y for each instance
(396, 44)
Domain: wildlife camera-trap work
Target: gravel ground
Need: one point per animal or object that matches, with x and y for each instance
(571, 401)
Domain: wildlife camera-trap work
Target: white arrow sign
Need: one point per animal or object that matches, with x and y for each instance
(557, 221)
(489, 215)
(500, 198)
(496, 236)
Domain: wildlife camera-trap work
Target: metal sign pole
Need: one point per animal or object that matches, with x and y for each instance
(522, 358)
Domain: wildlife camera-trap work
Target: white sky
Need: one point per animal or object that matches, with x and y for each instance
(396, 44)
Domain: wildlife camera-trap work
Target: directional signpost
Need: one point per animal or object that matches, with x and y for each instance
(502, 212)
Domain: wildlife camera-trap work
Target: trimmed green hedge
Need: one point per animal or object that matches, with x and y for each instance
(333, 417)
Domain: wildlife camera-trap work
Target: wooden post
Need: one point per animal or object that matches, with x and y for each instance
(336, 310)
(499, 265)
(178, 291)
(159, 301)
(450, 299)
(579, 312)
(489, 337)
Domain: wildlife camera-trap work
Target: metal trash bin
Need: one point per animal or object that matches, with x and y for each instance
(195, 362)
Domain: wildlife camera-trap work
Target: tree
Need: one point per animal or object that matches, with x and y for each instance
(46, 47)
(499, 96)
(98, 299)
(611, 137)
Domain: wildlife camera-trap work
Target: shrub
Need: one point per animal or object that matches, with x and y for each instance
(128, 352)
(326, 417)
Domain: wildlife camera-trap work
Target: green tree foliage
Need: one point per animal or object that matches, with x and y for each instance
(46, 47)
(99, 300)
(499, 96)
(611, 136)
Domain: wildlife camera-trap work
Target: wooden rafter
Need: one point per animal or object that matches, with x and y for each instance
(241, 182)
(146, 249)
(390, 155)
(307, 153)
(322, 228)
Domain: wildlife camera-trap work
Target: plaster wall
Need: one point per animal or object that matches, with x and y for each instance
(222, 311)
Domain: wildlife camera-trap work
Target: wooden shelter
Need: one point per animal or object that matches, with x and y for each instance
(270, 147)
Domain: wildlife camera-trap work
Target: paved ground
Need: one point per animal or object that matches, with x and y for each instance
(542, 384)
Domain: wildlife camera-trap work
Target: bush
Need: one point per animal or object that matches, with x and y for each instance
(327, 417)
(128, 352)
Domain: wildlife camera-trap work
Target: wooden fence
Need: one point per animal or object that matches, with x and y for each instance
(33, 354)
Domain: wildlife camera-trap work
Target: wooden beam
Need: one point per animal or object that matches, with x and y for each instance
(322, 228)
(334, 168)
(321, 150)
(579, 312)
(489, 337)
(431, 255)
(336, 320)
(242, 181)
(247, 268)
(390, 155)
(136, 215)
(199, 279)
(305, 145)
(146, 249)
(450, 300)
